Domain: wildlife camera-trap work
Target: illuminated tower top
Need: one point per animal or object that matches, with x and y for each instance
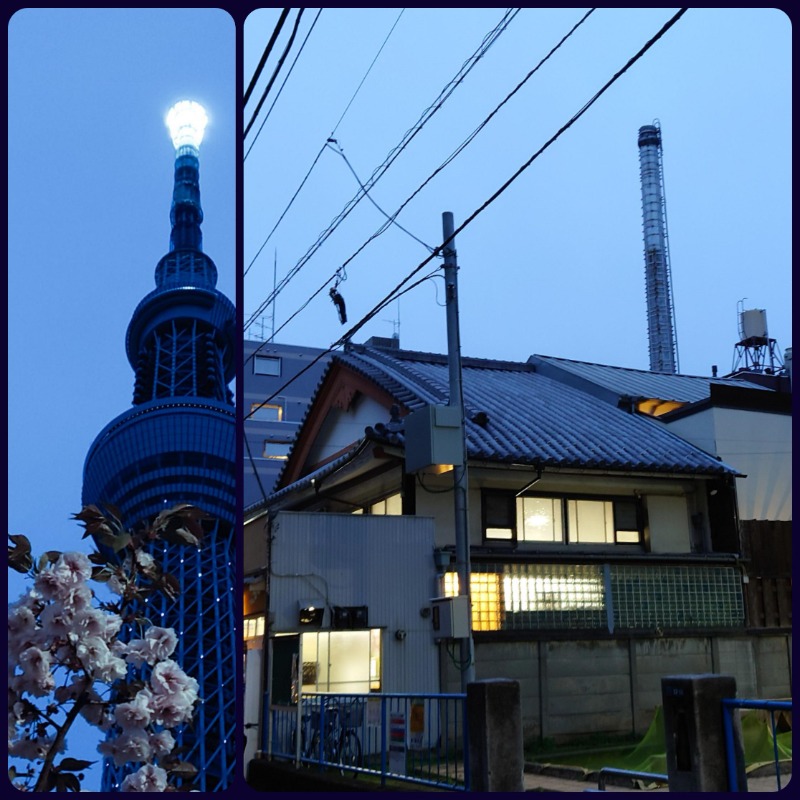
(181, 343)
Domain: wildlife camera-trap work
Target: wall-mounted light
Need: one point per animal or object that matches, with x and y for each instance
(310, 614)
(441, 558)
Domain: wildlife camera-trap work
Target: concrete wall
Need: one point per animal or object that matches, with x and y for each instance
(573, 689)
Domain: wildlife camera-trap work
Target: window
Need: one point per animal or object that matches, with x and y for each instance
(266, 365)
(342, 661)
(560, 520)
(266, 412)
(484, 591)
(392, 505)
(253, 627)
(277, 450)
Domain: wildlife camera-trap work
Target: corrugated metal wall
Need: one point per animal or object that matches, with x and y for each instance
(382, 562)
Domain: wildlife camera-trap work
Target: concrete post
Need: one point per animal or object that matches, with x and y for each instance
(694, 734)
(494, 719)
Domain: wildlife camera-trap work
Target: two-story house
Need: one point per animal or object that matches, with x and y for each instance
(604, 547)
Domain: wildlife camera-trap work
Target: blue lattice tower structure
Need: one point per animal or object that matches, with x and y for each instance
(177, 445)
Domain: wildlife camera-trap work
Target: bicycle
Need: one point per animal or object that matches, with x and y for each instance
(341, 746)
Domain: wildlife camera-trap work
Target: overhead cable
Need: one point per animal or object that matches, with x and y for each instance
(288, 74)
(379, 171)
(444, 164)
(391, 296)
(265, 54)
(322, 149)
(275, 71)
(398, 290)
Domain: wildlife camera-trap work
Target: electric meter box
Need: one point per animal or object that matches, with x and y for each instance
(433, 436)
(450, 616)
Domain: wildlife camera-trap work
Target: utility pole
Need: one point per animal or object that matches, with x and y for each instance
(460, 480)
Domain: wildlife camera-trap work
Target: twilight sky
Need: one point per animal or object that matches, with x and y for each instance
(555, 265)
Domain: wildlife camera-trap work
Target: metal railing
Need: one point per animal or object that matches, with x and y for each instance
(729, 708)
(415, 738)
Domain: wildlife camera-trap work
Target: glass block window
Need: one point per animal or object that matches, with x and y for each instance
(484, 587)
(677, 597)
(608, 597)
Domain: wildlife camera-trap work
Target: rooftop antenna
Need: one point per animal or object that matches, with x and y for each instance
(396, 324)
(274, 293)
(658, 277)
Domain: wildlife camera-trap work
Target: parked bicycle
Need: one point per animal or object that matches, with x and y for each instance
(340, 746)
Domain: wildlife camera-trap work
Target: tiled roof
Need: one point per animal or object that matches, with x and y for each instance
(641, 383)
(517, 415)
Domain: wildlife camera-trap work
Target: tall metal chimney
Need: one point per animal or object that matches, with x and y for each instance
(658, 278)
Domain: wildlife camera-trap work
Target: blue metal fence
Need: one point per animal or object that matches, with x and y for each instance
(729, 708)
(419, 738)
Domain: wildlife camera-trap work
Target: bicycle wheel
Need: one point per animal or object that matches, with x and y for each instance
(350, 751)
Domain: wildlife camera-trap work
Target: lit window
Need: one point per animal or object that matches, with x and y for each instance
(253, 627)
(345, 662)
(539, 519)
(266, 412)
(266, 365)
(277, 450)
(560, 520)
(552, 592)
(389, 506)
(484, 590)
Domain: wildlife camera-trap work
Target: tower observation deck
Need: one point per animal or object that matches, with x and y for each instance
(177, 445)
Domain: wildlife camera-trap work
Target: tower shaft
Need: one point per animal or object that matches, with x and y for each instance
(658, 280)
(177, 445)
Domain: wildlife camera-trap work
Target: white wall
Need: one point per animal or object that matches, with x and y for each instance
(383, 562)
(759, 445)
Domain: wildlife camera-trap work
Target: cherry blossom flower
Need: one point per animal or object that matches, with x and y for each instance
(148, 778)
(158, 644)
(135, 714)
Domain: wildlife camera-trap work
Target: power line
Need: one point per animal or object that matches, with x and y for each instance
(322, 149)
(398, 290)
(444, 164)
(288, 74)
(265, 54)
(276, 71)
(391, 220)
(379, 171)
(383, 303)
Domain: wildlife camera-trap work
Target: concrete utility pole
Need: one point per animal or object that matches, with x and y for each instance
(460, 481)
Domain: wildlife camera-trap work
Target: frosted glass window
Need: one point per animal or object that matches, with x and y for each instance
(539, 519)
(590, 521)
(392, 505)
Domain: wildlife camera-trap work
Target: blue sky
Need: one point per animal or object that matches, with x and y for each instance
(90, 187)
(555, 265)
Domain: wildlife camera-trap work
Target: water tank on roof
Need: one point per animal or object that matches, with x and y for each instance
(753, 324)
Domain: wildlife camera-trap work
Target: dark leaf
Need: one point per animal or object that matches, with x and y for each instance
(75, 764)
(182, 769)
(170, 586)
(21, 543)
